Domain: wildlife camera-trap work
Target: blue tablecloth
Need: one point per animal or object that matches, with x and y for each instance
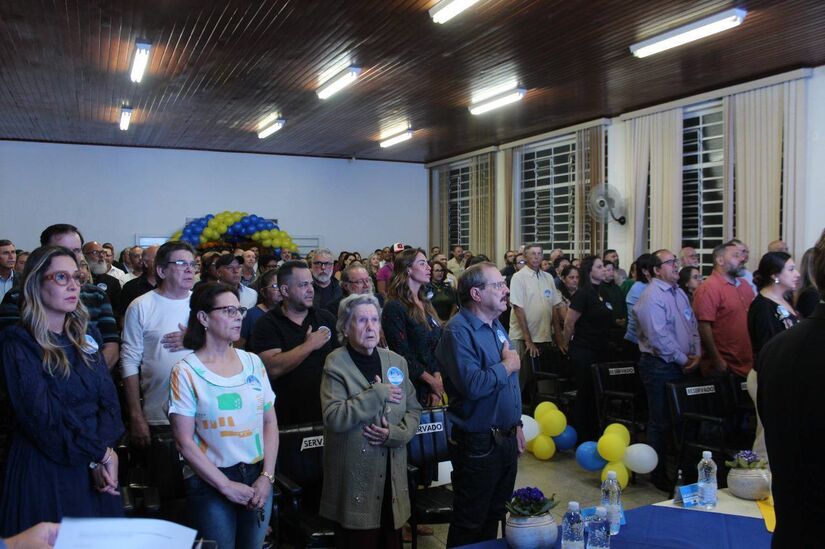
(664, 527)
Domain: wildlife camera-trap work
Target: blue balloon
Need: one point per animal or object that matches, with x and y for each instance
(209, 216)
(587, 456)
(270, 225)
(567, 439)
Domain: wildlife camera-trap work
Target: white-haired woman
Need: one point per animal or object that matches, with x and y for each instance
(370, 412)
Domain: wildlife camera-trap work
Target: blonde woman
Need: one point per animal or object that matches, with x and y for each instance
(64, 407)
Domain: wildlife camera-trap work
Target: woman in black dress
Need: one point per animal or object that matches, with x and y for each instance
(444, 296)
(64, 407)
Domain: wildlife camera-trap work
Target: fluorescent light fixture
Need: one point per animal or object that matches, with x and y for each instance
(125, 118)
(499, 100)
(270, 125)
(141, 60)
(447, 9)
(339, 82)
(398, 138)
(683, 35)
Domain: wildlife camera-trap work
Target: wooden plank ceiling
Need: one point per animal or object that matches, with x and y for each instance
(218, 67)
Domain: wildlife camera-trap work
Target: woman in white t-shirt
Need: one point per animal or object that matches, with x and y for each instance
(221, 407)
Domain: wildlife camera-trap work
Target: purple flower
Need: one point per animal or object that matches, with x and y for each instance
(529, 494)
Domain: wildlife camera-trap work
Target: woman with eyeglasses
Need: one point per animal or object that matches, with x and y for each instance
(221, 407)
(269, 296)
(65, 415)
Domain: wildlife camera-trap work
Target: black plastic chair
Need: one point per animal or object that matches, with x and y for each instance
(299, 478)
(620, 395)
(563, 392)
(743, 410)
(429, 505)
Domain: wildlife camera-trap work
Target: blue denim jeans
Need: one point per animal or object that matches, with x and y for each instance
(216, 518)
(655, 373)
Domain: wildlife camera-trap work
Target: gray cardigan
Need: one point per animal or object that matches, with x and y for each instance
(354, 470)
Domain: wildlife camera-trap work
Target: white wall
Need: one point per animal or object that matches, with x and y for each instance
(114, 193)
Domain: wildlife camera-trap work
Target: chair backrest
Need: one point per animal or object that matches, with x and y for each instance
(738, 387)
(429, 445)
(704, 396)
(301, 459)
(620, 376)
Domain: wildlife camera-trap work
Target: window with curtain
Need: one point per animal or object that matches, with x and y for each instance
(703, 224)
(459, 205)
(546, 202)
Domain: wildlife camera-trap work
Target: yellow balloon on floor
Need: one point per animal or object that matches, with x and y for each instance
(543, 447)
(612, 447)
(529, 445)
(618, 429)
(552, 423)
(543, 408)
(622, 474)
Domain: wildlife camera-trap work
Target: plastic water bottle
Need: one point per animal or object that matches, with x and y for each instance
(612, 501)
(680, 481)
(598, 530)
(707, 481)
(572, 528)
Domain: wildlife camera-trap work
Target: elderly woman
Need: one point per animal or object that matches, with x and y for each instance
(221, 408)
(370, 412)
(65, 414)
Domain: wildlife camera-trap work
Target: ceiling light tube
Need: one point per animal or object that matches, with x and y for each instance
(270, 125)
(496, 101)
(125, 118)
(688, 33)
(447, 9)
(338, 82)
(398, 138)
(141, 60)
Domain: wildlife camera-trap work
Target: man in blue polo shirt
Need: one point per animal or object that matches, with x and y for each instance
(481, 379)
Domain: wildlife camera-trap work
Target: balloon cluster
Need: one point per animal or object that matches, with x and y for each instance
(613, 452)
(234, 227)
(547, 431)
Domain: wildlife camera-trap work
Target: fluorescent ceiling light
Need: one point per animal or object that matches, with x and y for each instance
(447, 9)
(339, 82)
(140, 61)
(403, 136)
(125, 118)
(682, 35)
(270, 125)
(498, 100)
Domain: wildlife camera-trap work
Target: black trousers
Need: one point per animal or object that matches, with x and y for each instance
(484, 474)
(585, 415)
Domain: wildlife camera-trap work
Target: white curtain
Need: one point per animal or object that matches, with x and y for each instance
(439, 207)
(793, 173)
(655, 156)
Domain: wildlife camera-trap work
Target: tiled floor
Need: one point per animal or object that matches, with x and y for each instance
(563, 476)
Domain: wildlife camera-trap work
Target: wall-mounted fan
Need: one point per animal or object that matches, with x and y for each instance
(606, 204)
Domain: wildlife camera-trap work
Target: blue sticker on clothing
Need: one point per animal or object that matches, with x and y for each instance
(608, 305)
(502, 337)
(395, 376)
(547, 293)
(688, 313)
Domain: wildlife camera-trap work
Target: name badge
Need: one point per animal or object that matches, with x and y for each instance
(395, 376)
(608, 305)
(102, 286)
(90, 347)
(502, 337)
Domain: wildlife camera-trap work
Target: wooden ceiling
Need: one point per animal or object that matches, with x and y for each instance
(218, 67)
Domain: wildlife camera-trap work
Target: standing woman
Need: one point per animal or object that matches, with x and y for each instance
(444, 298)
(586, 327)
(807, 296)
(64, 407)
(411, 325)
(770, 312)
(269, 297)
(689, 279)
(216, 394)
(569, 285)
(370, 412)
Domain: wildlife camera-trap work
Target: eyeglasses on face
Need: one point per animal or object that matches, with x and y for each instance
(496, 285)
(274, 287)
(674, 262)
(96, 253)
(362, 282)
(230, 311)
(324, 264)
(183, 263)
(61, 278)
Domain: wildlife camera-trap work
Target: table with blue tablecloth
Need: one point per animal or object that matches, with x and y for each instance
(667, 526)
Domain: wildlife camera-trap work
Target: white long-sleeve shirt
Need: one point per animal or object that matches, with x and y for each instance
(148, 319)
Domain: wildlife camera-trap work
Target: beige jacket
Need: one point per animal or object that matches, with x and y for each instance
(354, 470)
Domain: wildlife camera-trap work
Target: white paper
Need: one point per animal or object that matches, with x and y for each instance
(123, 533)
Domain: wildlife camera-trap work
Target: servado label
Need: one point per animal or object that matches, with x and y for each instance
(429, 428)
(312, 442)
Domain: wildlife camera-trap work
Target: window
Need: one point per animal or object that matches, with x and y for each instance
(703, 181)
(459, 208)
(548, 176)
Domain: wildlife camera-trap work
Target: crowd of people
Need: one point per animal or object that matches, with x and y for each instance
(195, 359)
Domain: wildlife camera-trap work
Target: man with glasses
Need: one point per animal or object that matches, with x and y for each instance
(293, 341)
(481, 379)
(95, 256)
(147, 361)
(354, 280)
(228, 268)
(669, 342)
(327, 288)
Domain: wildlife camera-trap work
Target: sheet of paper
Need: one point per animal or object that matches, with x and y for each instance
(123, 533)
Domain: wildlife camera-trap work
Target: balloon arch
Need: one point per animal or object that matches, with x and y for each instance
(236, 228)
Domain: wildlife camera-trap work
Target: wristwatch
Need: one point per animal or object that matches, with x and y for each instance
(269, 476)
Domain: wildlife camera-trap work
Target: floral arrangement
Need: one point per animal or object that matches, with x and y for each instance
(530, 502)
(746, 460)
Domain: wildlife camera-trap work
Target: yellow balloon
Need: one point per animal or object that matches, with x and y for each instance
(202, 239)
(612, 447)
(543, 447)
(622, 474)
(552, 423)
(542, 408)
(267, 243)
(529, 445)
(618, 429)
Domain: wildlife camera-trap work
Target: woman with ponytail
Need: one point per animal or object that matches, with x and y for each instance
(64, 407)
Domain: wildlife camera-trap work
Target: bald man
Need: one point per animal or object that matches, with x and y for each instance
(778, 246)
